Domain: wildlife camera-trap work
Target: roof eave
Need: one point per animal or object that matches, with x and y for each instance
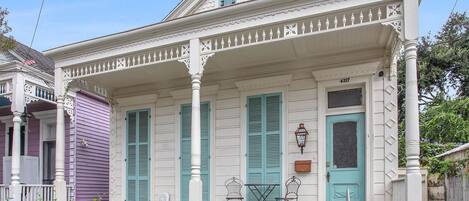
(152, 27)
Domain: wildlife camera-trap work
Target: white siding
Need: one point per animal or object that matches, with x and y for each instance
(301, 106)
(227, 139)
(164, 142)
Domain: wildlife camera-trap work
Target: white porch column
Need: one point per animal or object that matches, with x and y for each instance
(195, 70)
(411, 33)
(59, 183)
(17, 108)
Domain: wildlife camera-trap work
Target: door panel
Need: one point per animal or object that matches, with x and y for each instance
(345, 157)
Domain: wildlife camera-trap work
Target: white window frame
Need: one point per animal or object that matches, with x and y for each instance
(333, 83)
(259, 86)
(45, 118)
(8, 121)
(177, 142)
(130, 104)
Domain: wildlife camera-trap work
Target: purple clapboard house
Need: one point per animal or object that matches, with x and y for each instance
(34, 160)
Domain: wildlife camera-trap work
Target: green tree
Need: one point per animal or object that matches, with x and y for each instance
(443, 87)
(5, 41)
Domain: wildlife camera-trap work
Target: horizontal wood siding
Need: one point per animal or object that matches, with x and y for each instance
(301, 106)
(164, 148)
(92, 162)
(33, 137)
(227, 139)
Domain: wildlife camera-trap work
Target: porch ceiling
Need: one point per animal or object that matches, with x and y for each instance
(229, 63)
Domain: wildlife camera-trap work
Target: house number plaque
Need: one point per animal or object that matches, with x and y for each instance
(345, 80)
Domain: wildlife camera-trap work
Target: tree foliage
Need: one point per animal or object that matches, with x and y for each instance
(443, 87)
(6, 42)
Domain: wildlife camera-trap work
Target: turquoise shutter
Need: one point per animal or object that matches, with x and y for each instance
(186, 115)
(227, 2)
(138, 155)
(264, 141)
(272, 141)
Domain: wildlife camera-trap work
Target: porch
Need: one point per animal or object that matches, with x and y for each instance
(28, 142)
(193, 109)
(34, 193)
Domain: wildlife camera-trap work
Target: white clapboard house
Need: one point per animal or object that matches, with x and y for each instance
(218, 88)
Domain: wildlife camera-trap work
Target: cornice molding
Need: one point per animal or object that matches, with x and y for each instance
(262, 83)
(187, 93)
(273, 16)
(48, 114)
(347, 71)
(137, 100)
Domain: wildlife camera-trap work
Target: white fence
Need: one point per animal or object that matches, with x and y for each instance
(37, 193)
(4, 192)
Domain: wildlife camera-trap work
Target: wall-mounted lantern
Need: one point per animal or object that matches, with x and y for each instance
(301, 134)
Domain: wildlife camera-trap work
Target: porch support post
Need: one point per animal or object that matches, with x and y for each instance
(17, 108)
(411, 33)
(195, 70)
(59, 183)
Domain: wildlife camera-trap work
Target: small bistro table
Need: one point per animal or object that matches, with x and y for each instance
(261, 191)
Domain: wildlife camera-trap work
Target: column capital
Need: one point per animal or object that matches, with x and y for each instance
(196, 60)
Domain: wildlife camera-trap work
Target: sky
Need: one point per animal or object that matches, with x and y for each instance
(67, 21)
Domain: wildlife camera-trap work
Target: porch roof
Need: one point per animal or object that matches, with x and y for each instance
(248, 34)
(199, 25)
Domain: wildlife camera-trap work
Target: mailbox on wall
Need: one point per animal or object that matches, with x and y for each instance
(303, 166)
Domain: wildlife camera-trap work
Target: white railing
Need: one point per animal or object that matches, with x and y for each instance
(4, 192)
(37, 193)
(70, 196)
(398, 190)
(34, 92)
(385, 14)
(148, 57)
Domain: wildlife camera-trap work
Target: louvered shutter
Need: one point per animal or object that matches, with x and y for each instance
(186, 150)
(227, 2)
(272, 141)
(138, 155)
(264, 141)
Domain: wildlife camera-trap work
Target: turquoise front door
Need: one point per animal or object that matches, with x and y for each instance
(345, 157)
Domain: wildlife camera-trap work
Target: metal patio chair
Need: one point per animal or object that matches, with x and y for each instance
(292, 185)
(234, 187)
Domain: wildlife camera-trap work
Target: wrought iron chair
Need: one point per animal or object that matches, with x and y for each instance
(292, 185)
(234, 187)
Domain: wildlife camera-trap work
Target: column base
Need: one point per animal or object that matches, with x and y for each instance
(15, 192)
(414, 186)
(195, 190)
(60, 190)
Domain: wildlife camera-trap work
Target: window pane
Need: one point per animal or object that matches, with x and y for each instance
(344, 98)
(345, 144)
(22, 141)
